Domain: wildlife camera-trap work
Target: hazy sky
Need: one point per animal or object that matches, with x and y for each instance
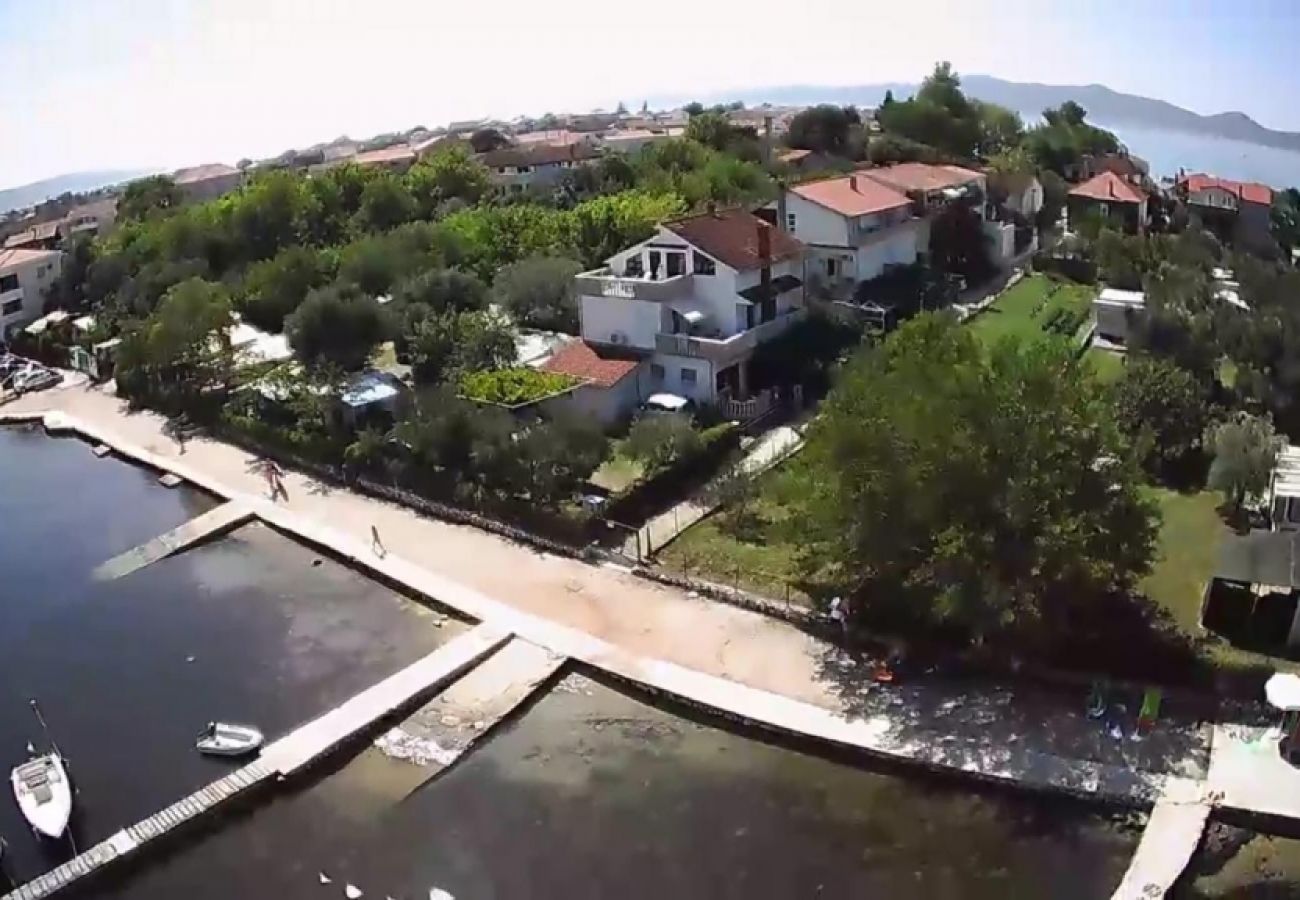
(97, 84)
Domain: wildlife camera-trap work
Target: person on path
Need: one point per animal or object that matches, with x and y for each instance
(840, 615)
(376, 545)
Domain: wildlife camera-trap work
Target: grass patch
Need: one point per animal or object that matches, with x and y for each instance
(756, 555)
(618, 472)
(1108, 364)
(1032, 307)
(1187, 553)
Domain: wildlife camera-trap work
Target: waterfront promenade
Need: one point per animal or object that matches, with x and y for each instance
(762, 672)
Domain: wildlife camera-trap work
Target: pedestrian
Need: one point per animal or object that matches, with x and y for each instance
(376, 545)
(839, 614)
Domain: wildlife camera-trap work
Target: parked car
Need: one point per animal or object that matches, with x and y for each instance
(35, 379)
(659, 404)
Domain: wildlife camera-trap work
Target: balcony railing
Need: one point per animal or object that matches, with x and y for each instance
(603, 283)
(725, 351)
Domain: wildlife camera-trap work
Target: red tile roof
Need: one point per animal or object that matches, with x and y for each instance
(1108, 188)
(1250, 191)
(915, 176)
(731, 237)
(601, 366)
(852, 195)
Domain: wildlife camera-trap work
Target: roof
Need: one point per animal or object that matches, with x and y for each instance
(1249, 191)
(559, 137)
(779, 285)
(600, 366)
(915, 176)
(370, 387)
(395, 154)
(1108, 187)
(203, 173)
(37, 233)
(731, 237)
(1122, 298)
(642, 134)
(793, 155)
(20, 256)
(1260, 557)
(852, 195)
(538, 155)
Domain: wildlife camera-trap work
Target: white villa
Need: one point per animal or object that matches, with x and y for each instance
(682, 312)
(26, 279)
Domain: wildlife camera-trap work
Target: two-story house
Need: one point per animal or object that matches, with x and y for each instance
(682, 312)
(1238, 211)
(853, 227)
(536, 164)
(26, 278)
(1116, 202)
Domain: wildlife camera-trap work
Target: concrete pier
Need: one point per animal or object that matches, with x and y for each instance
(213, 522)
(1172, 835)
(444, 729)
(282, 758)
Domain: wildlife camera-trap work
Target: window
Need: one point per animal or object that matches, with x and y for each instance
(524, 170)
(832, 267)
(688, 376)
(8, 283)
(634, 268)
(789, 222)
(12, 306)
(676, 264)
(657, 372)
(702, 265)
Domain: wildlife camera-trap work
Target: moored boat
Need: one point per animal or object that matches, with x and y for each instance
(228, 739)
(44, 794)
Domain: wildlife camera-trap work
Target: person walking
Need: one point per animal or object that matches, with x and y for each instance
(376, 545)
(839, 614)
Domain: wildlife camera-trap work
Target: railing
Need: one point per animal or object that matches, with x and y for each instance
(725, 350)
(602, 283)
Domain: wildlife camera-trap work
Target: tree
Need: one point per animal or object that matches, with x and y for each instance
(539, 292)
(557, 456)
(823, 129)
(336, 326)
(385, 204)
(658, 441)
(183, 348)
(986, 493)
(146, 198)
(450, 174)
(1163, 409)
(270, 213)
(1245, 448)
(442, 345)
(74, 274)
(443, 290)
(273, 289)
(1285, 219)
(1066, 138)
(485, 140)
(713, 129)
(958, 243)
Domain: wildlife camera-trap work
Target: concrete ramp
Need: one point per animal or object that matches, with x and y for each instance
(444, 729)
(215, 521)
(1172, 834)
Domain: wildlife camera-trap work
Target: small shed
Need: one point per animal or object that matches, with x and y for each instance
(372, 396)
(1115, 311)
(1254, 568)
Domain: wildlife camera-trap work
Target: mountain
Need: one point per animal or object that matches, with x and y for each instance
(77, 182)
(1102, 103)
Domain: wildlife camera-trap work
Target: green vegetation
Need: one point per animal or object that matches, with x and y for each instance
(1034, 306)
(513, 387)
(1186, 553)
(1108, 364)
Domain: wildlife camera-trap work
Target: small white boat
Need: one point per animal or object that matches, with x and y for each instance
(44, 794)
(227, 739)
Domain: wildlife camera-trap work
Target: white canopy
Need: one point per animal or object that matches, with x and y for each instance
(1283, 691)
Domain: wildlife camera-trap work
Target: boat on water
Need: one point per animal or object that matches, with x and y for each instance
(228, 739)
(44, 794)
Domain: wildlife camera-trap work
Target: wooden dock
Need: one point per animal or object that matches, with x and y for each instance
(282, 758)
(1172, 835)
(213, 522)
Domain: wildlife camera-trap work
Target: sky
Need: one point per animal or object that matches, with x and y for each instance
(133, 84)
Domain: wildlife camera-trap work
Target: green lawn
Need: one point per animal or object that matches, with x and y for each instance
(1187, 553)
(617, 472)
(1108, 364)
(1025, 308)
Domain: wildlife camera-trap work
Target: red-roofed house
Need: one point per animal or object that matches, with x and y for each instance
(1120, 204)
(614, 379)
(854, 227)
(691, 303)
(1237, 211)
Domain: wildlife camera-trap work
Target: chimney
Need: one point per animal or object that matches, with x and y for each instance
(765, 242)
(767, 141)
(853, 184)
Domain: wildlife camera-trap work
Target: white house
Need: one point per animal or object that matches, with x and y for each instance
(853, 227)
(683, 311)
(26, 279)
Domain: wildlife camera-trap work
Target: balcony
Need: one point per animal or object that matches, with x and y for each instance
(604, 283)
(725, 351)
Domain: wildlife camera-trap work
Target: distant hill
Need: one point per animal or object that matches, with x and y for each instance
(76, 183)
(1102, 103)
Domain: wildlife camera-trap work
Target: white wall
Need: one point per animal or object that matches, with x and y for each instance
(814, 223)
(701, 390)
(899, 248)
(36, 279)
(639, 320)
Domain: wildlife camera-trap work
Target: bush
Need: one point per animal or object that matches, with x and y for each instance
(658, 441)
(513, 387)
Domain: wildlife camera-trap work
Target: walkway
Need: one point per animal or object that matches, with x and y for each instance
(212, 523)
(771, 448)
(1172, 835)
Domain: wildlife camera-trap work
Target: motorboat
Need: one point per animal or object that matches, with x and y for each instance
(227, 739)
(44, 794)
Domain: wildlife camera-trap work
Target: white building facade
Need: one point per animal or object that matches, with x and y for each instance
(27, 277)
(695, 300)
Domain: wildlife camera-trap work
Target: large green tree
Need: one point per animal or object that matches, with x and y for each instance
(1163, 409)
(274, 288)
(979, 491)
(1245, 448)
(182, 349)
(336, 326)
(539, 292)
(148, 197)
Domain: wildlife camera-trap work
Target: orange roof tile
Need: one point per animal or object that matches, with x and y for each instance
(731, 237)
(1250, 191)
(915, 176)
(1109, 188)
(601, 366)
(852, 195)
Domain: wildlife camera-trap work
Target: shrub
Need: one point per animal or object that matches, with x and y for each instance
(512, 387)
